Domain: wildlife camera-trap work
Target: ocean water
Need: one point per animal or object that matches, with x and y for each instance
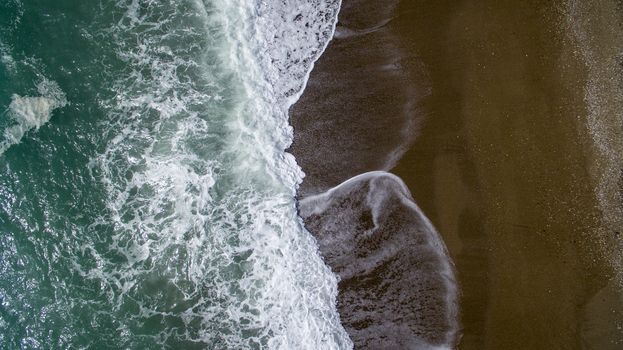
(146, 200)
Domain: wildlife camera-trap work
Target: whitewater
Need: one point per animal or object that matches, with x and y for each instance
(146, 198)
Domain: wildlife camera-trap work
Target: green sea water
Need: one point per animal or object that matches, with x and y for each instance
(145, 201)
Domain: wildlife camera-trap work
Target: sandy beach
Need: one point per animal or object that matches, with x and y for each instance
(481, 109)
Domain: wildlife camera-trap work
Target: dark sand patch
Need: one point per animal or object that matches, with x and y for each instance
(360, 112)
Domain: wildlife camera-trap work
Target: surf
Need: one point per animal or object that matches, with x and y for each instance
(163, 212)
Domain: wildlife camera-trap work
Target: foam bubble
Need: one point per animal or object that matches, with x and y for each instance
(30, 113)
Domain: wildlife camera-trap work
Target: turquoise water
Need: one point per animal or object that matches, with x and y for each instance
(146, 200)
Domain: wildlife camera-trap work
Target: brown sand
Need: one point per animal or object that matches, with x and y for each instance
(500, 164)
(505, 175)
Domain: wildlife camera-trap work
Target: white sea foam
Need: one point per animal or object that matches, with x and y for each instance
(201, 191)
(294, 34)
(30, 112)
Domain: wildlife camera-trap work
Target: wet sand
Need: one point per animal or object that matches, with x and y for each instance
(499, 157)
